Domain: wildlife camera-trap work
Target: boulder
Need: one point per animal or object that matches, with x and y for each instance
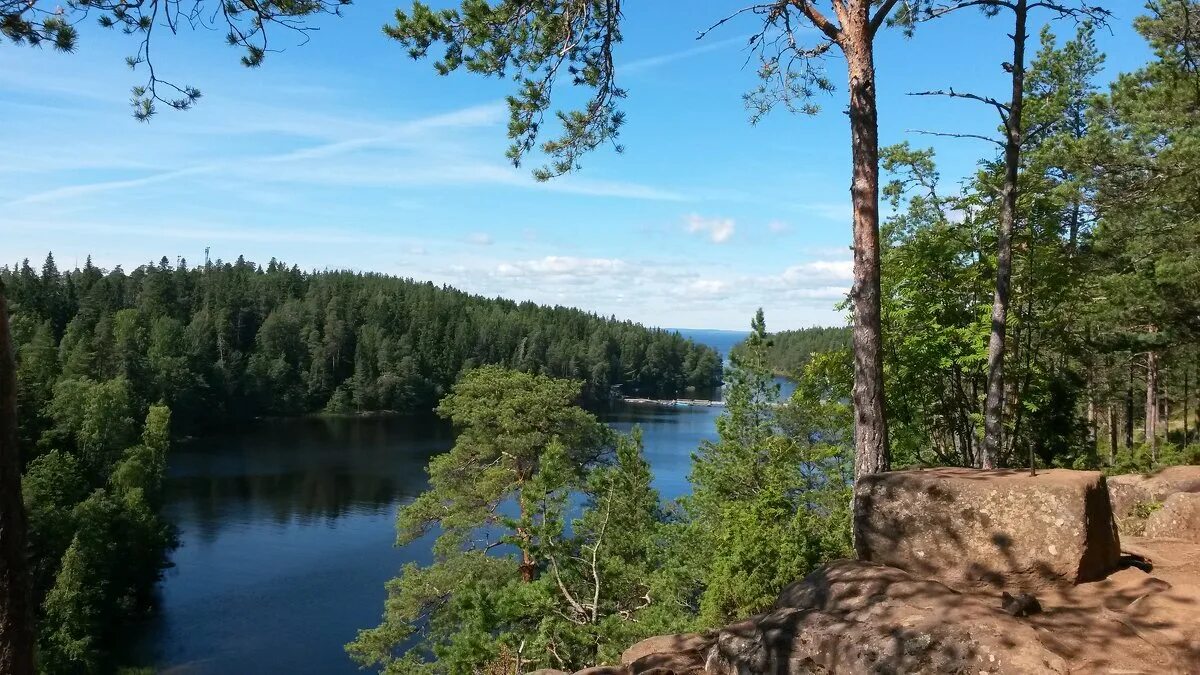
(971, 528)
(681, 663)
(1179, 518)
(667, 644)
(1129, 490)
(1125, 492)
(604, 670)
(547, 671)
(856, 617)
(682, 654)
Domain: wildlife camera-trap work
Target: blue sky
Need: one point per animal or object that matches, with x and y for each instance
(344, 153)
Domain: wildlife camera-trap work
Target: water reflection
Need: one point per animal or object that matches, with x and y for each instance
(287, 531)
(301, 471)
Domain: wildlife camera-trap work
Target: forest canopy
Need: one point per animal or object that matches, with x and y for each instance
(236, 339)
(788, 351)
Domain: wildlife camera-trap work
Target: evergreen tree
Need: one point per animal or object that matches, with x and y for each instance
(770, 498)
(512, 587)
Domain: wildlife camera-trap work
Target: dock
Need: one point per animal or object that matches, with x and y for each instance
(676, 402)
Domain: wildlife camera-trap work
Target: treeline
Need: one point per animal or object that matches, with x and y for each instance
(790, 350)
(234, 340)
(106, 361)
(1102, 355)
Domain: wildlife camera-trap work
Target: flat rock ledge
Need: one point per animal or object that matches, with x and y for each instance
(853, 618)
(970, 528)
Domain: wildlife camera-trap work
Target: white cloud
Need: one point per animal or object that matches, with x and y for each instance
(818, 271)
(481, 239)
(778, 226)
(719, 230)
(833, 293)
(562, 266)
(708, 287)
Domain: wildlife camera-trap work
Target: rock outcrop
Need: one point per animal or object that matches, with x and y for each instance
(1001, 529)
(1089, 613)
(1130, 493)
(858, 617)
(1179, 518)
(683, 654)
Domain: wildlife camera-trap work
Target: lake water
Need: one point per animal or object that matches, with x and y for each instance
(287, 529)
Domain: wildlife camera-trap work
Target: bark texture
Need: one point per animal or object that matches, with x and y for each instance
(870, 418)
(16, 617)
(993, 410)
(1152, 403)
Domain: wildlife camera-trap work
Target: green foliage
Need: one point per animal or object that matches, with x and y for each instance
(509, 422)
(37, 23)
(97, 543)
(790, 350)
(1143, 459)
(535, 43)
(512, 586)
(939, 277)
(770, 498)
(1144, 509)
(238, 340)
(98, 417)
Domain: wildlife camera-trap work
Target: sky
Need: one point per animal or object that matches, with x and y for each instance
(343, 153)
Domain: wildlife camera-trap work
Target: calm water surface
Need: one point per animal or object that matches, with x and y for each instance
(287, 529)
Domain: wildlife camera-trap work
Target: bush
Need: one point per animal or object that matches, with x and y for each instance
(1140, 459)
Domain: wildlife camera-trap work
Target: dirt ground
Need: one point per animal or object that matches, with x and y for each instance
(1134, 621)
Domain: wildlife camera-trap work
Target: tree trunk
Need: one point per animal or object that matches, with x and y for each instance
(1092, 422)
(16, 616)
(870, 421)
(1186, 402)
(1129, 409)
(1073, 229)
(993, 411)
(528, 564)
(1151, 435)
(1112, 434)
(1164, 416)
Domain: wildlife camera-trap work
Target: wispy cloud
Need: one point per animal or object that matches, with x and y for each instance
(703, 47)
(417, 155)
(77, 191)
(210, 232)
(475, 116)
(836, 211)
(718, 230)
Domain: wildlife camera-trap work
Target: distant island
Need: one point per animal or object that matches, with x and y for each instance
(790, 350)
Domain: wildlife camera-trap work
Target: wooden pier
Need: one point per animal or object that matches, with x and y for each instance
(675, 402)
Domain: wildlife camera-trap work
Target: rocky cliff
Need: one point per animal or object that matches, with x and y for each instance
(974, 572)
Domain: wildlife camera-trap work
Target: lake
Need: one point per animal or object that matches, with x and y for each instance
(287, 528)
